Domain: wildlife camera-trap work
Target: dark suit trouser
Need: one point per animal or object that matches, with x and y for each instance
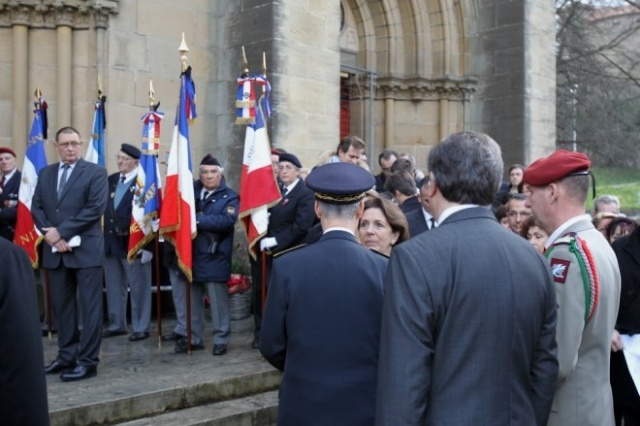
(87, 282)
(256, 280)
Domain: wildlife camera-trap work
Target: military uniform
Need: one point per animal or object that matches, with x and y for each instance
(587, 283)
(8, 204)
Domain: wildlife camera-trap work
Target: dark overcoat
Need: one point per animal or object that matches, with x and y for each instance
(321, 327)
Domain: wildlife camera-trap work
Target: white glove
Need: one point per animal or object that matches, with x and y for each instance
(267, 243)
(146, 256)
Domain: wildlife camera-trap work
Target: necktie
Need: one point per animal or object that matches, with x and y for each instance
(284, 191)
(122, 179)
(2, 181)
(63, 178)
(205, 194)
(432, 223)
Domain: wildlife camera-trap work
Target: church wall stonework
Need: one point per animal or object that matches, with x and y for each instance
(440, 67)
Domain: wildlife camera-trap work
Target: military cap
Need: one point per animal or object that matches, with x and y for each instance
(340, 183)
(5, 150)
(130, 150)
(210, 160)
(555, 167)
(285, 156)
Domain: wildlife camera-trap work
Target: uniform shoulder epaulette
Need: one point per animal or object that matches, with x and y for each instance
(289, 250)
(588, 271)
(380, 253)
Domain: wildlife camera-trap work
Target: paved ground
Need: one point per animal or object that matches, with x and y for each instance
(132, 368)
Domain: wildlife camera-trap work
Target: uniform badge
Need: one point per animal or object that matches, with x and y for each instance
(231, 210)
(559, 270)
(113, 194)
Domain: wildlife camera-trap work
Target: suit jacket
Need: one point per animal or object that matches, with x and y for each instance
(583, 393)
(117, 219)
(8, 206)
(467, 339)
(627, 250)
(321, 326)
(411, 204)
(23, 389)
(77, 212)
(417, 222)
(291, 218)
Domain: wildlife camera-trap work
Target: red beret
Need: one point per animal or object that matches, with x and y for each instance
(5, 150)
(555, 167)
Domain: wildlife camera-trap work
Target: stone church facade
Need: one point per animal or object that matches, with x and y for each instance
(400, 73)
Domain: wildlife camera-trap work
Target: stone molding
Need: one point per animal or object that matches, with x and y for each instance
(76, 14)
(424, 89)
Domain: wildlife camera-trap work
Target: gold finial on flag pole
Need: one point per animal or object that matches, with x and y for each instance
(183, 49)
(151, 94)
(37, 94)
(245, 63)
(264, 64)
(99, 87)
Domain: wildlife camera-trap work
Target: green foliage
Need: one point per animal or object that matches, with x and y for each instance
(623, 182)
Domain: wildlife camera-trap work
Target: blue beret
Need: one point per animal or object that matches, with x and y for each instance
(130, 150)
(286, 156)
(340, 183)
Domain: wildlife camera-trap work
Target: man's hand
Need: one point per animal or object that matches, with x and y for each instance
(616, 342)
(267, 243)
(53, 238)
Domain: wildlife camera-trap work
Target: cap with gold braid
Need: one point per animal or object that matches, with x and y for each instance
(340, 183)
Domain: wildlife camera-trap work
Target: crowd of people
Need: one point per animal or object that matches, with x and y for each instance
(392, 299)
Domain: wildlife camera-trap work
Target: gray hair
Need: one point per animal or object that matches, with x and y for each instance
(605, 199)
(467, 168)
(339, 211)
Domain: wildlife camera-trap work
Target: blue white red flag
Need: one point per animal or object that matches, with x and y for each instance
(27, 234)
(258, 186)
(146, 198)
(178, 214)
(95, 150)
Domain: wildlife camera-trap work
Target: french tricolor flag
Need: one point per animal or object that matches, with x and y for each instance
(178, 213)
(95, 150)
(27, 235)
(258, 186)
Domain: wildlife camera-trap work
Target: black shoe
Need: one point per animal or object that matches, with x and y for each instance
(256, 343)
(181, 346)
(138, 335)
(172, 337)
(79, 373)
(57, 366)
(112, 333)
(219, 349)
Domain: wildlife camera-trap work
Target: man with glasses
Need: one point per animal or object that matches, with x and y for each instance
(517, 212)
(289, 221)
(122, 274)
(68, 204)
(385, 160)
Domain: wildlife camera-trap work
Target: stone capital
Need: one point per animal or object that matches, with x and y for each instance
(76, 14)
(426, 89)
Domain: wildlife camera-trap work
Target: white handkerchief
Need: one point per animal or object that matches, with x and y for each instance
(632, 356)
(73, 242)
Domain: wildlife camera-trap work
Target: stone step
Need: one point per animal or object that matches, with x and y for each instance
(143, 405)
(255, 410)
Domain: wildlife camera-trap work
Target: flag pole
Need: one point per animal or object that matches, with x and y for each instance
(45, 284)
(152, 108)
(183, 49)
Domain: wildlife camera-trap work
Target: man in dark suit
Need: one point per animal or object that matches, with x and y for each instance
(456, 323)
(135, 276)
(421, 220)
(23, 389)
(402, 187)
(68, 204)
(9, 187)
(289, 221)
(321, 322)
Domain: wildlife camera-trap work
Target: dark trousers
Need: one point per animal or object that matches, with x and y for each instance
(256, 279)
(74, 345)
(626, 401)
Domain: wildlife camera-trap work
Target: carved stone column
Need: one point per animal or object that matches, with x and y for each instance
(20, 34)
(64, 22)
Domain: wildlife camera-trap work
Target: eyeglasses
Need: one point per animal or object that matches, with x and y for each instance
(521, 214)
(73, 144)
(286, 167)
